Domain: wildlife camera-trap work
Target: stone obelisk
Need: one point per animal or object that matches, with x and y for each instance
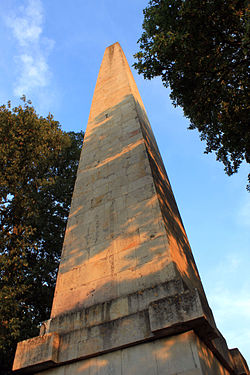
(128, 297)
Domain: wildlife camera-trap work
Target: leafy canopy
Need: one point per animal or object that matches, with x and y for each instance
(199, 48)
(38, 163)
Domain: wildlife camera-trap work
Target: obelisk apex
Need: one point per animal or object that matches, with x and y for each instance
(128, 297)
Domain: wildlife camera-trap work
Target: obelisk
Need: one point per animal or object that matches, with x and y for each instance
(128, 297)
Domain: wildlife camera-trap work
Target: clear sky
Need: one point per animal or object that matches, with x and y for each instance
(51, 51)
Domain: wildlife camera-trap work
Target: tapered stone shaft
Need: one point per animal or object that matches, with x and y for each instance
(124, 231)
(128, 297)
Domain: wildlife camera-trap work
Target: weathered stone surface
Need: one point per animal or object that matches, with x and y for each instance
(105, 337)
(114, 309)
(180, 312)
(182, 354)
(240, 365)
(37, 353)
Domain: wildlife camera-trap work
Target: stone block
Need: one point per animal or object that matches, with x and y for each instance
(177, 355)
(180, 312)
(119, 308)
(39, 352)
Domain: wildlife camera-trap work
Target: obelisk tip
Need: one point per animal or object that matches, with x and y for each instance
(113, 45)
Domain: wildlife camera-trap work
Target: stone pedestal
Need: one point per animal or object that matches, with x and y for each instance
(128, 297)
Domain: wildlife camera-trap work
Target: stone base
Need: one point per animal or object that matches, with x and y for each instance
(170, 327)
(183, 354)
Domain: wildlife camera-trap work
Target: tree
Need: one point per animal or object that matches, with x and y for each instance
(38, 163)
(199, 48)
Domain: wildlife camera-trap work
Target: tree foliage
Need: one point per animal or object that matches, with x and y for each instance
(199, 48)
(38, 163)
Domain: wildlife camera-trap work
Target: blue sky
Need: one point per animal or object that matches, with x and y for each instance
(51, 51)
